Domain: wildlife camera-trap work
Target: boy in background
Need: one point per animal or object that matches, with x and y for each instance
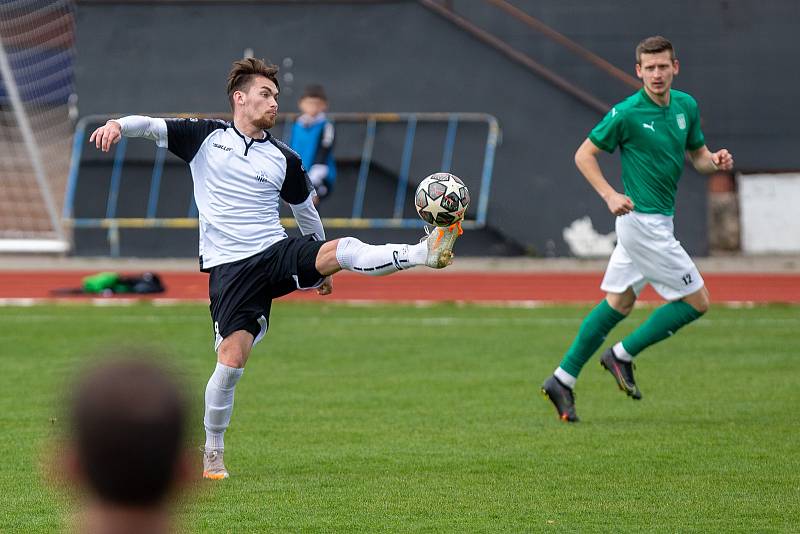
(312, 138)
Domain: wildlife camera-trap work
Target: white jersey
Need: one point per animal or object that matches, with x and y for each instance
(239, 183)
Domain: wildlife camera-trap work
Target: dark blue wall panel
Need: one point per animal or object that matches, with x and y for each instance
(402, 57)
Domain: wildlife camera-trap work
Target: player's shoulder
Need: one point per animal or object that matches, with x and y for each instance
(682, 98)
(288, 151)
(188, 119)
(194, 125)
(631, 101)
(198, 123)
(624, 107)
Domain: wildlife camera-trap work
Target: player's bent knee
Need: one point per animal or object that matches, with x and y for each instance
(622, 302)
(699, 300)
(327, 262)
(235, 348)
(231, 358)
(705, 304)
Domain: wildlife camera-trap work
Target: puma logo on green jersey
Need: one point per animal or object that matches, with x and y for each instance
(649, 126)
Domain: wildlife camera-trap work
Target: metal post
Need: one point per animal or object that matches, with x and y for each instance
(486, 176)
(116, 178)
(449, 143)
(363, 171)
(405, 166)
(155, 182)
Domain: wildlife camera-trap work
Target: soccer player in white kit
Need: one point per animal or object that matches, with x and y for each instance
(241, 173)
(654, 129)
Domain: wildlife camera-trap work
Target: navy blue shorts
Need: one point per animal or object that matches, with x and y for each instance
(241, 292)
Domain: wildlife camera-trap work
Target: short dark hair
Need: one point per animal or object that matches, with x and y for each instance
(314, 90)
(128, 424)
(654, 45)
(244, 70)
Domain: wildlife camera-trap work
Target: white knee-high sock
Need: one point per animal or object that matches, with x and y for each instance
(377, 260)
(219, 404)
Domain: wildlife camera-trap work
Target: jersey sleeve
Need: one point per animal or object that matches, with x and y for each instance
(184, 136)
(308, 219)
(695, 139)
(296, 186)
(608, 132)
(146, 127)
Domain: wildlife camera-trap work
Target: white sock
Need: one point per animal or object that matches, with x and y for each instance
(377, 260)
(621, 353)
(565, 378)
(219, 404)
(417, 254)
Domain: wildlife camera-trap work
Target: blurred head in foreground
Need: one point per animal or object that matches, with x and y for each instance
(126, 446)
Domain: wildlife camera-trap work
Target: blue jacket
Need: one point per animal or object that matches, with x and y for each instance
(313, 140)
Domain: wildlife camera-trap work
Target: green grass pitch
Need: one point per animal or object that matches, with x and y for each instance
(395, 418)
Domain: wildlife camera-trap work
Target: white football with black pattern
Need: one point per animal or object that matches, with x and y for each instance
(441, 199)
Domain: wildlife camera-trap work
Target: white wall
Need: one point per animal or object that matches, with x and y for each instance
(769, 208)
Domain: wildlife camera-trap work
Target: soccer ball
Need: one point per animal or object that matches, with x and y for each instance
(441, 199)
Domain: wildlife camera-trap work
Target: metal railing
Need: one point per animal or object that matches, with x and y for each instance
(371, 121)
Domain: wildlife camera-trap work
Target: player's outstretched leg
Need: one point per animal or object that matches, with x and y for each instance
(435, 251)
(562, 397)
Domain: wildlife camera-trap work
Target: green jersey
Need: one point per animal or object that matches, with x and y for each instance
(652, 141)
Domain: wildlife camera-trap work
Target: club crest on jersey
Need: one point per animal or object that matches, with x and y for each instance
(681, 118)
(262, 177)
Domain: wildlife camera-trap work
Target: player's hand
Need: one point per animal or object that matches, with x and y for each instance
(105, 136)
(619, 204)
(722, 159)
(327, 286)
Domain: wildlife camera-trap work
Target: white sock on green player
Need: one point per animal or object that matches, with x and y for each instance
(621, 353)
(565, 378)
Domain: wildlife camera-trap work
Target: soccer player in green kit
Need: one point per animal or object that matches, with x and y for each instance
(653, 128)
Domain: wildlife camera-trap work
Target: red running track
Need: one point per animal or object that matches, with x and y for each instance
(434, 286)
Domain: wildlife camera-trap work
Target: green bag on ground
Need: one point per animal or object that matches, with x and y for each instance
(110, 282)
(100, 282)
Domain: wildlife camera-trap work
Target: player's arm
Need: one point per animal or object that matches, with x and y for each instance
(309, 222)
(298, 192)
(307, 217)
(587, 163)
(706, 162)
(131, 126)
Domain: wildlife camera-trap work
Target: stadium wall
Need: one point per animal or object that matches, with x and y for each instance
(399, 56)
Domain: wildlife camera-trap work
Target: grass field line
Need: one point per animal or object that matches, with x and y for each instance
(408, 321)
